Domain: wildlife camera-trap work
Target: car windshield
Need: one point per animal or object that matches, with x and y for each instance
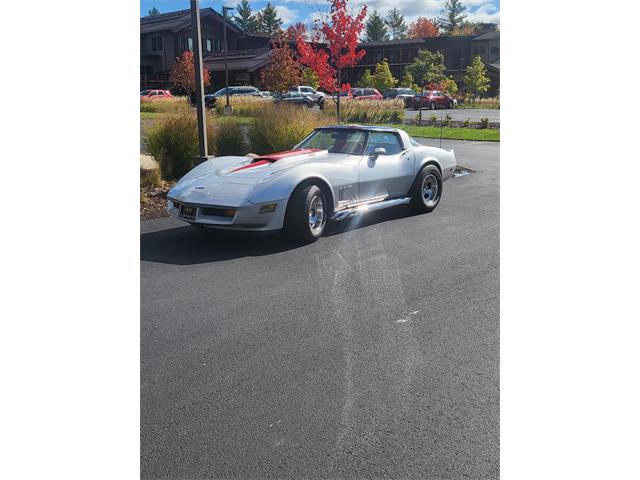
(338, 140)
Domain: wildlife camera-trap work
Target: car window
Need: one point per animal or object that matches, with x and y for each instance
(387, 140)
(337, 141)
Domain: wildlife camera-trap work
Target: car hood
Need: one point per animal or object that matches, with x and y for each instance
(230, 181)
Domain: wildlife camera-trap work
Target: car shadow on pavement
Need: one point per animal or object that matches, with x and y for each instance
(365, 220)
(190, 246)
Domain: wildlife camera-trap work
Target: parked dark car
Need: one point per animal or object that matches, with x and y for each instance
(366, 94)
(405, 94)
(432, 99)
(296, 98)
(210, 99)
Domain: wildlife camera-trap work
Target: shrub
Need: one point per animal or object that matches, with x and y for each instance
(447, 121)
(173, 142)
(433, 119)
(231, 139)
(484, 122)
(467, 122)
(167, 105)
(278, 129)
(150, 177)
(244, 105)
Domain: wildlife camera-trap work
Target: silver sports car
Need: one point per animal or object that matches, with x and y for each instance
(335, 172)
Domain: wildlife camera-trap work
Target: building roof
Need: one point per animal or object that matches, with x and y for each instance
(488, 36)
(250, 60)
(176, 21)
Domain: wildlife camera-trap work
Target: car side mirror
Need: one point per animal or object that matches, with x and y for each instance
(379, 151)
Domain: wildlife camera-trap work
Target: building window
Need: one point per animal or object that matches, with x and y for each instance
(218, 45)
(209, 45)
(188, 43)
(156, 43)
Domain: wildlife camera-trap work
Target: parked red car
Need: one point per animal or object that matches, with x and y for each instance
(155, 94)
(366, 94)
(432, 99)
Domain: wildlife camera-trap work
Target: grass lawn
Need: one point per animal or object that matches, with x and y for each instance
(480, 134)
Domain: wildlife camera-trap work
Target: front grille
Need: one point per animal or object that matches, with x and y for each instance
(219, 211)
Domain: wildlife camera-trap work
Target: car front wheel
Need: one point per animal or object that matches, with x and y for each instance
(426, 190)
(433, 105)
(307, 214)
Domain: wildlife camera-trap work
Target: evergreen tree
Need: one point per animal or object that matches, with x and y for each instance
(453, 16)
(375, 28)
(395, 22)
(476, 82)
(268, 21)
(154, 11)
(366, 81)
(427, 67)
(245, 18)
(382, 77)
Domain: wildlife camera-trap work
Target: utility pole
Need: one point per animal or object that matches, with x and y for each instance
(227, 108)
(197, 59)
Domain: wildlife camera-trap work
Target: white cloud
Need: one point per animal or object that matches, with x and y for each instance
(288, 15)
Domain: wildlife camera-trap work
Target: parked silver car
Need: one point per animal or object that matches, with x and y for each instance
(335, 172)
(317, 96)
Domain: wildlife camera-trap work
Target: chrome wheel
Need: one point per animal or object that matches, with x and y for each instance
(316, 213)
(430, 188)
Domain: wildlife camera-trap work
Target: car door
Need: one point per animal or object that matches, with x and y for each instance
(388, 174)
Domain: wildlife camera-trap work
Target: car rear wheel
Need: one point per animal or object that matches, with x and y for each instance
(307, 214)
(426, 190)
(451, 104)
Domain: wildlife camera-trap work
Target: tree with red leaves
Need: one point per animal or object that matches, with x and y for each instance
(296, 31)
(340, 37)
(183, 73)
(422, 28)
(283, 70)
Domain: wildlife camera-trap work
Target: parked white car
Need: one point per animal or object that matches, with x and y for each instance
(317, 96)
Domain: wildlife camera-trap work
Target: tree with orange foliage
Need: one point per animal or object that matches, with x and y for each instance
(183, 73)
(283, 71)
(296, 31)
(422, 28)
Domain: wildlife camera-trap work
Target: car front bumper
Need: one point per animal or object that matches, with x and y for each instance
(246, 217)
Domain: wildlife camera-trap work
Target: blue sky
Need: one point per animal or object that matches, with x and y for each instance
(292, 11)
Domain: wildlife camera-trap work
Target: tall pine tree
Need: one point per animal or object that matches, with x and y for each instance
(453, 16)
(268, 21)
(395, 22)
(245, 18)
(153, 12)
(375, 28)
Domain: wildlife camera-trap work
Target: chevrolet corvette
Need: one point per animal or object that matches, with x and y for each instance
(334, 173)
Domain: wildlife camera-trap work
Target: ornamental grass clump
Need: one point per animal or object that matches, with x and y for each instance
(279, 129)
(166, 105)
(231, 139)
(369, 111)
(243, 105)
(173, 142)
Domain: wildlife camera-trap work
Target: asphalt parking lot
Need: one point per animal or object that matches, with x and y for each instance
(461, 114)
(371, 353)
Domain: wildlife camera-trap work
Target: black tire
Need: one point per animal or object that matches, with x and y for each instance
(433, 105)
(298, 218)
(451, 104)
(428, 178)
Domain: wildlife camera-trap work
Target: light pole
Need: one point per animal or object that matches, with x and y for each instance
(197, 54)
(227, 108)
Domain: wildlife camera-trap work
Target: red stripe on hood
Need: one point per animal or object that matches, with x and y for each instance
(274, 157)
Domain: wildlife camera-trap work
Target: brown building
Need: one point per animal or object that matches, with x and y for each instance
(164, 37)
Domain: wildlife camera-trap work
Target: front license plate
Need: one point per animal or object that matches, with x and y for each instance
(188, 212)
